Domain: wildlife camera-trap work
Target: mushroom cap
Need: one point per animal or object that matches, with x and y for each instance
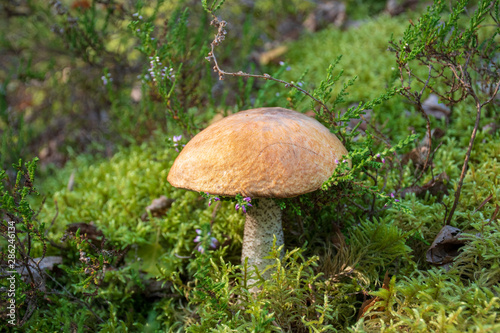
(260, 153)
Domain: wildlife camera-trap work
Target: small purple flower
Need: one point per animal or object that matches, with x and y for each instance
(383, 160)
(210, 199)
(197, 239)
(176, 139)
(344, 161)
(247, 199)
(282, 63)
(378, 155)
(244, 209)
(336, 161)
(396, 200)
(237, 206)
(249, 205)
(213, 242)
(392, 195)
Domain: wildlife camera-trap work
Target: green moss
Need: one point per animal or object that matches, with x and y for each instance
(364, 50)
(113, 194)
(321, 282)
(479, 259)
(433, 301)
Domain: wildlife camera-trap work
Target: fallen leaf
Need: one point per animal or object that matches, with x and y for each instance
(332, 12)
(272, 55)
(34, 270)
(437, 187)
(419, 154)
(432, 107)
(491, 128)
(445, 246)
(396, 7)
(369, 303)
(158, 207)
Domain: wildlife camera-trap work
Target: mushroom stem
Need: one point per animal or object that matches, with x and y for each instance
(263, 222)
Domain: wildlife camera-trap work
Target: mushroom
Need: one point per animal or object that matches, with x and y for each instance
(261, 153)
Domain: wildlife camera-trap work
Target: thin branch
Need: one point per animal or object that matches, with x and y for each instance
(495, 92)
(53, 219)
(220, 36)
(467, 157)
(69, 295)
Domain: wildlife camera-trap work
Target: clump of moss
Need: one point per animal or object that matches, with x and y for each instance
(295, 298)
(113, 194)
(479, 259)
(361, 48)
(432, 301)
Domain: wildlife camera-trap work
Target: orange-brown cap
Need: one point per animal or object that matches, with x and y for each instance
(260, 153)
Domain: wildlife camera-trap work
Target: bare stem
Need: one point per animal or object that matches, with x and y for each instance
(466, 160)
(220, 36)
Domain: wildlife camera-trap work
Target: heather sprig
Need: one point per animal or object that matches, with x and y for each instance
(241, 203)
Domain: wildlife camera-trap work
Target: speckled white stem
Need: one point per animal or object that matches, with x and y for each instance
(262, 223)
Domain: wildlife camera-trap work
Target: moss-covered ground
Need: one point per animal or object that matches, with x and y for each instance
(354, 262)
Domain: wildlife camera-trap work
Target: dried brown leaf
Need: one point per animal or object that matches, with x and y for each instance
(158, 207)
(445, 246)
(432, 107)
(332, 12)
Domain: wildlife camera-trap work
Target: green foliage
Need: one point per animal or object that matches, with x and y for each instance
(20, 230)
(293, 299)
(479, 259)
(360, 49)
(433, 36)
(177, 73)
(16, 204)
(216, 4)
(340, 242)
(377, 245)
(430, 302)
